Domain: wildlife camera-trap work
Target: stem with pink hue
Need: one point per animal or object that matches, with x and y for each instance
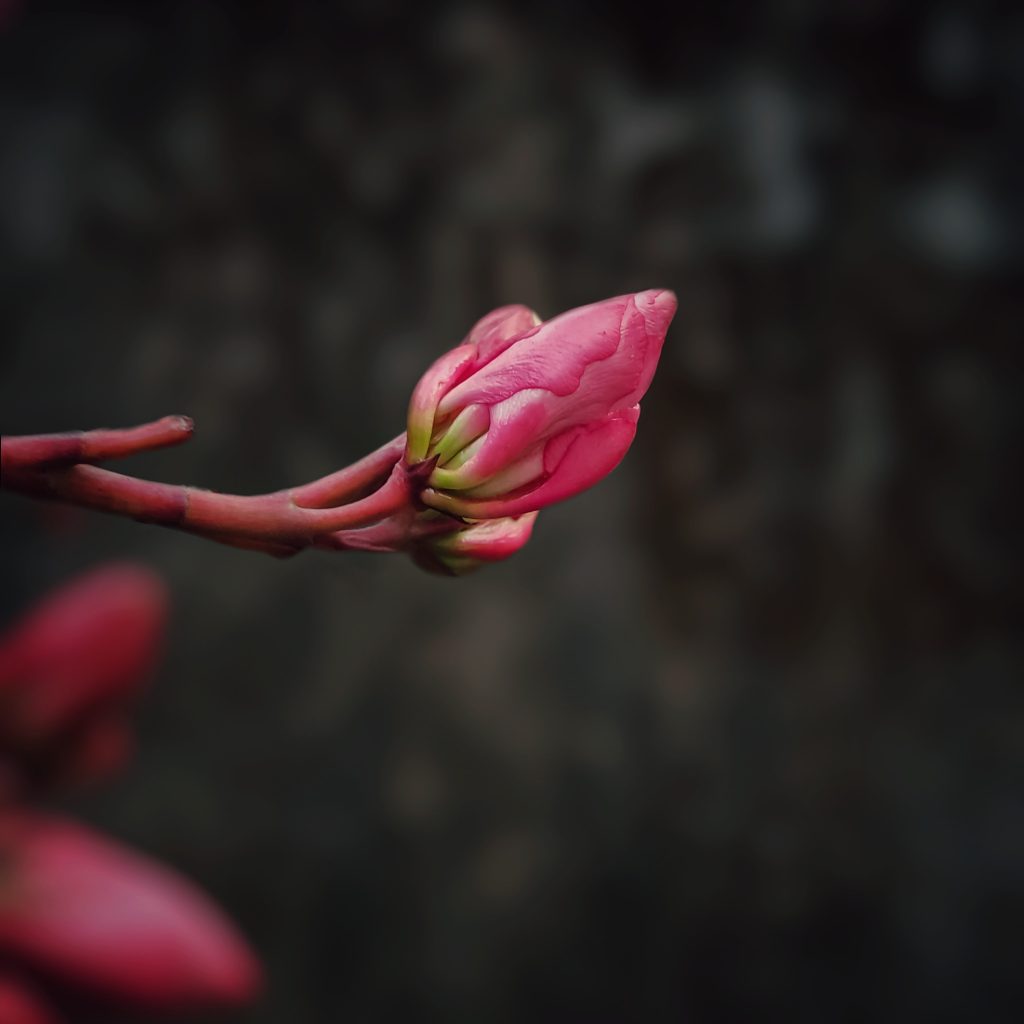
(346, 483)
(54, 466)
(39, 451)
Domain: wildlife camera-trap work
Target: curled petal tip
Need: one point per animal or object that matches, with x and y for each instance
(662, 299)
(657, 306)
(494, 333)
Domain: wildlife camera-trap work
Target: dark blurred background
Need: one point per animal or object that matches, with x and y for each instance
(737, 736)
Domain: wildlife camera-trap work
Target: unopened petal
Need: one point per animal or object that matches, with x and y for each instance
(628, 331)
(494, 333)
(514, 428)
(470, 424)
(474, 545)
(491, 540)
(512, 478)
(590, 454)
(433, 385)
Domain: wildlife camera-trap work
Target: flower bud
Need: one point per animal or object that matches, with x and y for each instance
(93, 915)
(70, 670)
(19, 1004)
(476, 544)
(524, 414)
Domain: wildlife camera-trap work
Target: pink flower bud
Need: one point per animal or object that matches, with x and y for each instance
(87, 913)
(523, 414)
(70, 670)
(476, 544)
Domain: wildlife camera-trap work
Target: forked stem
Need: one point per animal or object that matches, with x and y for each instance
(55, 466)
(344, 484)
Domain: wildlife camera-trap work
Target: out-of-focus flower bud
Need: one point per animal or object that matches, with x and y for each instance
(93, 915)
(476, 544)
(70, 671)
(20, 1005)
(524, 414)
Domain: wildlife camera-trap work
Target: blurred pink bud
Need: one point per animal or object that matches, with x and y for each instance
(523, 414)
(476, 544)
(19, 1005)
(93, 915)
(70, 670)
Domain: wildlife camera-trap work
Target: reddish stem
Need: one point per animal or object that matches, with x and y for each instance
(392, 534)
(280, 523)
(41, 451)
(266, 517)
(345, 483)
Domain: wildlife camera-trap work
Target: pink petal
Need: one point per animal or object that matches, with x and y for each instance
(571, 371)
(491, 540)
(475, 545)
(97, 915)
(575, 462)
(495, 332)
(488, 337)
(515, 426)
(514, 478)
(470, 424)
(555, 356)
(432, 386)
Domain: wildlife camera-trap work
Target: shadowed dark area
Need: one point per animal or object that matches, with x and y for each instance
(737, 737)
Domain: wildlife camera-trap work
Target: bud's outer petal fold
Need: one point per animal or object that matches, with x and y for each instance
(584, 456)
(475, 545)
(492, 540)
(452, 366)
(488, 337)
(619, 340)
(470, 424)
(514, 426)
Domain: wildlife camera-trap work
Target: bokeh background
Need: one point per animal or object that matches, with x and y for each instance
(737, 737)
